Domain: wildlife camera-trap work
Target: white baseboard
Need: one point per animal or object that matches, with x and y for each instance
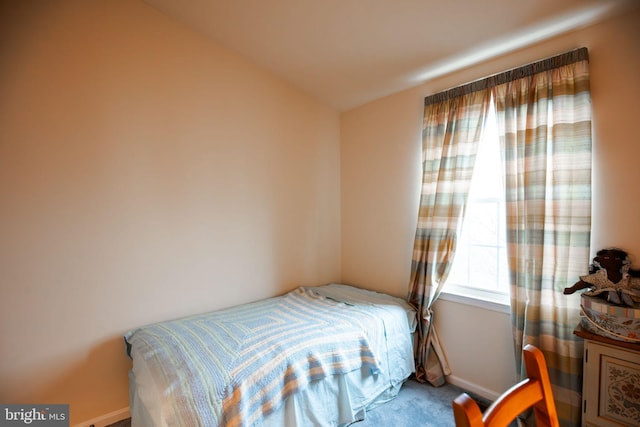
(479, 391)
(106, 419)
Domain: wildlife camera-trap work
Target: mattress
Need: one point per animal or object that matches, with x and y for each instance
(335, 391)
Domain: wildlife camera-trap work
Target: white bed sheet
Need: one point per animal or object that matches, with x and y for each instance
(335, 401)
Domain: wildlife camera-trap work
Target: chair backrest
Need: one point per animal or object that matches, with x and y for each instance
(532, 392)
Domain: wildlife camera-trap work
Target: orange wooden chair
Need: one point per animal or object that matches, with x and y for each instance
(534, 391)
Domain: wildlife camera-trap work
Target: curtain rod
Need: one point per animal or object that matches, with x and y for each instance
(577, 55)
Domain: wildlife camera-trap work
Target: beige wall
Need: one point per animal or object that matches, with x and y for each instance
(145, 173)
(380, 162)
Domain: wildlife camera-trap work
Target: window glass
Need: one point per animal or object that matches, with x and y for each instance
(480, 265)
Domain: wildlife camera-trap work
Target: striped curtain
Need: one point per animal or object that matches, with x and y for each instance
(544, 117)
(452, 129)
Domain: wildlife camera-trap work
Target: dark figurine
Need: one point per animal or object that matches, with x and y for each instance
(611, 278)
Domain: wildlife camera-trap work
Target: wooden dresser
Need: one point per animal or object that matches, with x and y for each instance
(611, 381)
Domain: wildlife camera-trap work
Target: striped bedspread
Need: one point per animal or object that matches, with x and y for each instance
(231, 367)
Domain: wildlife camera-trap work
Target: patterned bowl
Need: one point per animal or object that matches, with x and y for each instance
(608, 320)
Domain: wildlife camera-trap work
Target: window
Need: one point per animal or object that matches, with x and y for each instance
(480, 268)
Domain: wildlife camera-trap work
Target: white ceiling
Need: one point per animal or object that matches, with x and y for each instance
(348, 52)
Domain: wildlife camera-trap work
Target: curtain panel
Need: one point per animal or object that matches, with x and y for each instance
(544, 119)
(452, 129)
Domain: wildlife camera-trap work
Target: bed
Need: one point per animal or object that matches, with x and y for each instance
(316, 356)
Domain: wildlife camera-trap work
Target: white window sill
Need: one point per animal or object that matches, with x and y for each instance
(494, 302)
